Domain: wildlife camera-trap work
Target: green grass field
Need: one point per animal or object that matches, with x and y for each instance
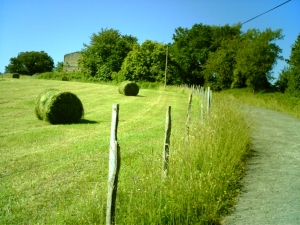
(57, 174)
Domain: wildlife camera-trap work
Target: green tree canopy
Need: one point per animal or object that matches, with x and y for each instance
(289, 79)
(192, 47)
(256, 58)
(245, 60)
(59, 67)
(29, 63)
(105, 54)
(146, 63)
(219, 67)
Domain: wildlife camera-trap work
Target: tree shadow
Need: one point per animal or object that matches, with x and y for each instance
(142, 96)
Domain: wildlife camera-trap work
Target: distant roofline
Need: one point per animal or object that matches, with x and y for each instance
(72, 53)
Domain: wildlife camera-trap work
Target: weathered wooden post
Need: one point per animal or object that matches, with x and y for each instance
(187, 125)
(201, 104)
(166, 151)
(208, 100)
(114, 167)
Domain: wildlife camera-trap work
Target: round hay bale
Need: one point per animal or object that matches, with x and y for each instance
(16, 75)
(58, 107)
(129, 88)
(65, 78)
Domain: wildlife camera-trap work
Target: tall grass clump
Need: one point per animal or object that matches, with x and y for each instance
(203, 179)
(58, 107)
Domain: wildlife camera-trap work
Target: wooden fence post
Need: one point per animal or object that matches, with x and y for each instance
(201, 104)
(187, 125)
(166, 151)
(114, 167)
(208, 100)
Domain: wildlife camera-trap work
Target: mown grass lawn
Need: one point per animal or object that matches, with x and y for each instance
(57, 174)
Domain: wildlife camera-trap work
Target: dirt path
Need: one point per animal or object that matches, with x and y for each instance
(271, 193)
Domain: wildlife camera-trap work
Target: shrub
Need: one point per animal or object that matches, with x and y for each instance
(16, 75)
(129, 88)
(58, 107)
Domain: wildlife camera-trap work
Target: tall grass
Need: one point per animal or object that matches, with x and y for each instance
(58, 174)
(274, 100)
(203, 177)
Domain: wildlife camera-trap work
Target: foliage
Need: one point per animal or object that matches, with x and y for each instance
(29, 63)
(289, 79)
(129, 88)
(192, 47)
(219, 67)
(145, 63)
(244, 61)
(105, 53)
(59, 67)
(256, 58)
(58, 107)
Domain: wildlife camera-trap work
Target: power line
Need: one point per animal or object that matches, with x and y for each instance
(267, 11)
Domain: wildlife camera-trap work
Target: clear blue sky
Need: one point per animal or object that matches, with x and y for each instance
(59, 27)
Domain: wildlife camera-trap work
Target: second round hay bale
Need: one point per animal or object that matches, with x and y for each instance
(129, 88)
(57, 107)
(16, 75)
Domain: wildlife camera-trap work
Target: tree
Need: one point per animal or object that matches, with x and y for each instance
(192, 47)
(289, 79)
(146, 63)
(105, 54)
(219, 68)
(29, 63)
(256, 57)
(59, 67)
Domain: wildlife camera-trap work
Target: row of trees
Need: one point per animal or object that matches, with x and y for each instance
(219, 56)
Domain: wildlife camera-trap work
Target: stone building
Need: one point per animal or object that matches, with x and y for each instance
(71, 62)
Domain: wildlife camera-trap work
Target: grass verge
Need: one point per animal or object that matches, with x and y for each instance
(275, 100)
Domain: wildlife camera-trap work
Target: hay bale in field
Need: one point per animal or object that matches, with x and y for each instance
(58, 107)
(129, 88)
(65, 78)
(16, 75)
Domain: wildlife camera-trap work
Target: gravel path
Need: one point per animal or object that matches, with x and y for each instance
(271, 192)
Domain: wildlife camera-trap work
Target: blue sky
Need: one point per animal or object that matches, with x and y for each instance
(59, 27)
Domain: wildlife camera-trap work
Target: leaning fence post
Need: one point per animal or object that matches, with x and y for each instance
(187, 125)
(166, 151)
(114, 167)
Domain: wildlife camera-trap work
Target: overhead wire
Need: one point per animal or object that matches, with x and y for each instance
(265, 12)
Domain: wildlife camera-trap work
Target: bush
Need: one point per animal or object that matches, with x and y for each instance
(58, 107)
(129, 88)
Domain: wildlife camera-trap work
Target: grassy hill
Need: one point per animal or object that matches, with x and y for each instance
(57, 174)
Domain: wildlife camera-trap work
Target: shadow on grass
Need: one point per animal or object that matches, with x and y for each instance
(84, 121)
